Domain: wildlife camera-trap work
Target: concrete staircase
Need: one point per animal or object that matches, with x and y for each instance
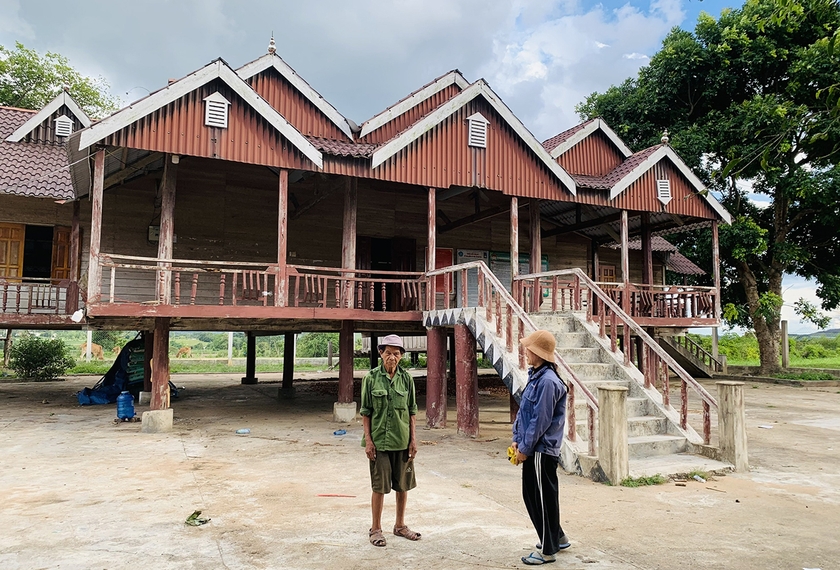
(656, 442)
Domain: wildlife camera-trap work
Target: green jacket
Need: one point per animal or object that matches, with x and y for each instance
(390, 403)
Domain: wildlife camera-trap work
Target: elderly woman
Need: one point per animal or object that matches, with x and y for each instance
(537, 435)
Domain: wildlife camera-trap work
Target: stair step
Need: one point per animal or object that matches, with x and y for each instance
(636, 427)
(648, 445)
(578, 354)
(554, 322)
(673, 464)
(596, 371)
(574, 339)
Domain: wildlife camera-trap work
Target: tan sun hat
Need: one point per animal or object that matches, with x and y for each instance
(391, 340)
(541, 343)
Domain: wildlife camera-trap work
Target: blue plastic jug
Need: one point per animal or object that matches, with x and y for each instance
(125, 405)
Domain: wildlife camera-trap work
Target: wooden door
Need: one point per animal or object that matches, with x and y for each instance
(606, 273)
(11, 249)
(61, 262)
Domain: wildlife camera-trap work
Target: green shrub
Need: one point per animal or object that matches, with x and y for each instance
(643, 481)
(35, 358)
(813, 350)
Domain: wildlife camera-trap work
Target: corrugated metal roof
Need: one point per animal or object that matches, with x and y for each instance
(553, 142)
(34, 169)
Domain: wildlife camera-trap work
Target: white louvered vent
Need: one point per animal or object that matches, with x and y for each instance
(216, 110)
(63, 126)
(663, 191)
(477, 130)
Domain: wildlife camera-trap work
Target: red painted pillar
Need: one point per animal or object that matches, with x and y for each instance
(466, 381)
(160, 366)
(345, 363)
(148, 353)
(436, 377)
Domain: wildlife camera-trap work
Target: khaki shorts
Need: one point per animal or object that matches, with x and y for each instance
(392, 469)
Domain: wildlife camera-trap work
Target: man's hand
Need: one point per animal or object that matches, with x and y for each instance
(412, 450)
(370, 449)
(520, 457)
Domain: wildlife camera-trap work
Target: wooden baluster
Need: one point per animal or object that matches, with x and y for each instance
(627, 345)
(222, 289)
(359, 294)
(234, 287)
(194, 288)
(371, 295)
(160, 285)
(591, 426)
(297, 290)
(19, 292)
(602, 323)
(554, 294)
(536, 295)
(177, 287)
(651, 363)
(522, 362)
(684, 404)
(509, 327)
(339, 285)
(384, 298)
(265, 289)
(613, 332)
(5, 295)
(570, 413)
(576, 303)
(322, 290)
(480, 288)
(707, 423)
(666, 385)
(446, 289)
(464, 295)
(498, 314)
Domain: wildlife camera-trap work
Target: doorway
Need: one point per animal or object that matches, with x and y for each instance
(386, 254)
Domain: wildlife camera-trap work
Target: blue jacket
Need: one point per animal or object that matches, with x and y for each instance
(541, 418)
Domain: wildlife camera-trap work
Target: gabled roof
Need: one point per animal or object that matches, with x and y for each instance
(272, 60)
(559, 144)
(673, 259)
(454, 77)
(633, 168)
(31, 169)
(478, 89)
(62, 99)
(217, 69)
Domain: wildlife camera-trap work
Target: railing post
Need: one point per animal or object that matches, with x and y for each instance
(571, 415)
(683, 404)
(111, 285)
(464, 296)
(509, 327)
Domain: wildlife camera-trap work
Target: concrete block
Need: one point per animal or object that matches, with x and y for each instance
(286, 393)
(157, 421)
(246, 380)
(344, 412)
(144, 398)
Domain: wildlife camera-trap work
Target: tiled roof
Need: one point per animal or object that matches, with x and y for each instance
(31, 169)
(678, 263)
(556, 140)
(674, 260)
(342, 148)
(615, 175)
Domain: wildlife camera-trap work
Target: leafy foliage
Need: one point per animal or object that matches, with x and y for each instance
(312, 345)
(643, 481)
(39, 359)
(30, 81)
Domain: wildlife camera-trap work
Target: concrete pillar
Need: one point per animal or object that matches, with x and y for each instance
(613, 453)
(715, 345)
(466, 381)
(785, 345)
(344, 410)
(329, 354)
(250, 359)
(732, 425)
(160, 365)
(287, 389)
(436, 377)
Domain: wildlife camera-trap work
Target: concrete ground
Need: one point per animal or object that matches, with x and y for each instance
(79, 491)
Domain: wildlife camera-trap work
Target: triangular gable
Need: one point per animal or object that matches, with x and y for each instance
(652, 158)
(477, 89)
(415, 99)
(62, 100)
(560, 144)
(272, 60)
(215, 70)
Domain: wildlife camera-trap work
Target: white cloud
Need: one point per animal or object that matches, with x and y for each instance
(11, 23)
(796, 288)
(635, 55)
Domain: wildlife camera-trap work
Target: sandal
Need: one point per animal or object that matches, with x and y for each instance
(406, 532)
(376, 537)
(536, 558)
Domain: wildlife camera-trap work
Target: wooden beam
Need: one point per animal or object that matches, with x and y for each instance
(167, 225)
(282, 237)
(473, 218)
(319, 196)
(536, 237)
(514, 239)
(431, 246)
(94, 269)
(581, 226)
(160, 366)
(443, 217)
(625, 261)
(716, 266)
(130, 169)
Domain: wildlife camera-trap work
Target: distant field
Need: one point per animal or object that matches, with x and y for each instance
(832, 362)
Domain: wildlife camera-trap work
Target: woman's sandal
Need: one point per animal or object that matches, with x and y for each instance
(406, 532)
(376, 537)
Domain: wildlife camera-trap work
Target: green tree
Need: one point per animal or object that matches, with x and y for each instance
(30, 81)
(752, 98)
(312, 345)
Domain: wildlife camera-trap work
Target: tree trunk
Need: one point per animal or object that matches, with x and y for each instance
(767, 331)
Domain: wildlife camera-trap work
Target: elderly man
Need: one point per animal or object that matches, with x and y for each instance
(388, 410)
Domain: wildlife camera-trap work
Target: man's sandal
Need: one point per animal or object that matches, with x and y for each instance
(537, 558)
(376, 537)
(406, 532)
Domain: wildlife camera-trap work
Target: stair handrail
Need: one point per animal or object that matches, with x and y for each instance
(527, 323)
(699, 352)
(629, 323)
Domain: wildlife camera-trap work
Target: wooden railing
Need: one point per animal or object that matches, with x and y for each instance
(511, 324)
(192, 282)
(29, 295)
(699, 353)
(601, 306)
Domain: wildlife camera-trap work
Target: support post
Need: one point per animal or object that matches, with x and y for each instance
(732, 427)
(287, 389)
(374, 350)
(436, 377)
(612, 433)
(72, 303)
(466, 381)
(148, 354)
(514, 240)
(431, 294)
(715, 345)
(625, 261)
(348, 240)
(7, 347)
(452, 356)
(535, 265)
(89, 343)
(716, 267)
(230, 349)
(167, 226)
(344, 410)
(280, 280)
(94, 286)
(250, 359)
(785, 345)
(647, 251)
(329, 354)
(160, 365)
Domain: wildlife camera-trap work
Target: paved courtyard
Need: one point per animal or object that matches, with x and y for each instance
(80, 491)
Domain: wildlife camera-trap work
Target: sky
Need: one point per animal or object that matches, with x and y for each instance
(542, 57)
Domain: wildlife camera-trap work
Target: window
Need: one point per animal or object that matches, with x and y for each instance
(477, 130)
(216, 111)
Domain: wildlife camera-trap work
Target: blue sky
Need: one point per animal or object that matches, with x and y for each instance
(542, 57)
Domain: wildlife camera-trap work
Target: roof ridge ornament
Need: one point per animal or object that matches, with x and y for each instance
(665, 137)
(272, 47)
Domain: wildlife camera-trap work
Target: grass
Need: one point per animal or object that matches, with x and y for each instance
(698, 473)
(831, 362)
(644, 481)
(805, 376)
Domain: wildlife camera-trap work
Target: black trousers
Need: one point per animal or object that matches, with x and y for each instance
(542, 499)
